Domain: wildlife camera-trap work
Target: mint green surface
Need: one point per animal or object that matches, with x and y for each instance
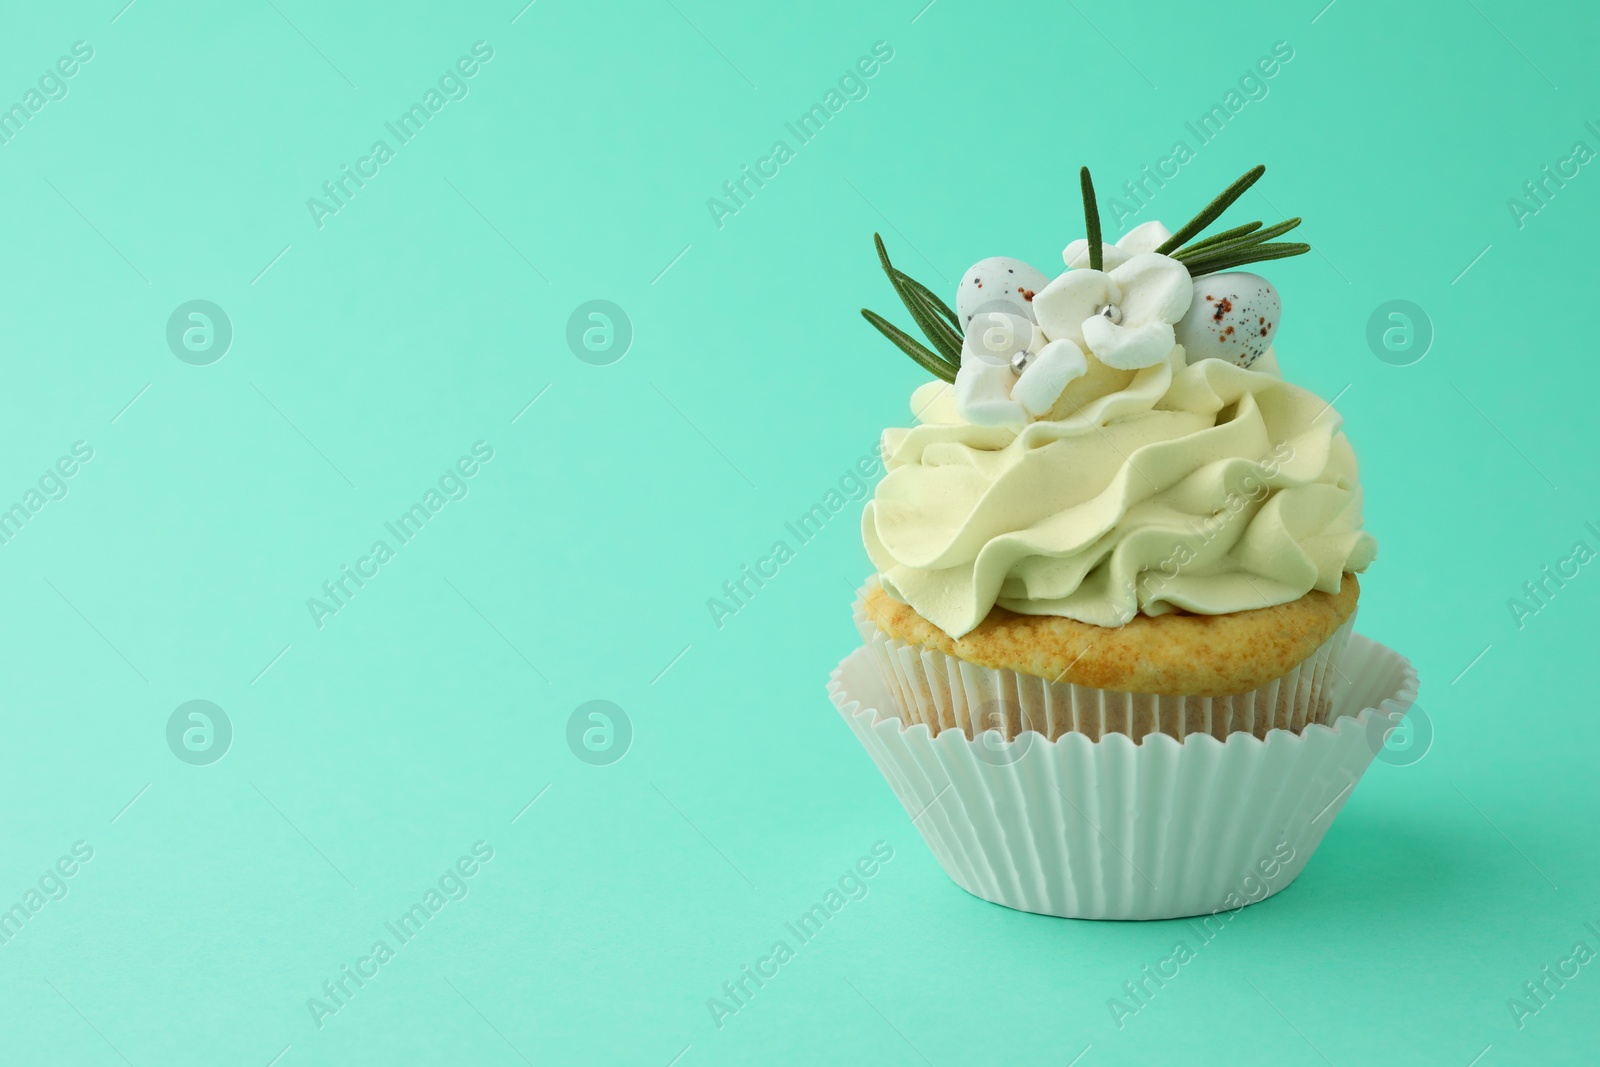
(369, 754)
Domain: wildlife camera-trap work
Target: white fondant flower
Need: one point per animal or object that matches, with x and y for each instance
(1146, 237)
(1123, 315)
(1014, 370)
(988, 389)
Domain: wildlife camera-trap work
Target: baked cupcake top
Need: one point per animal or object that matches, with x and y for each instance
(1112, 442)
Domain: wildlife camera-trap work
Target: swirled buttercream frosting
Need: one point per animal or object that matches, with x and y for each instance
(1205, 487)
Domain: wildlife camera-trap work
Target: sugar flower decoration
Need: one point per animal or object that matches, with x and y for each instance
(1125, 315)
(1016, 343)
(1011, 372)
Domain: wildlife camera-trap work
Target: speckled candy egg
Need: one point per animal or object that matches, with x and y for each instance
(1232, 317)
(998, 280)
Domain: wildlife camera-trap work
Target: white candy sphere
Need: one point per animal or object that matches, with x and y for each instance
(998, 280)
(1233, 317)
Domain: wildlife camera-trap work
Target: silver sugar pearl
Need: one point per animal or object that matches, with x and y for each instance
(1110, 312)
(1020, 361)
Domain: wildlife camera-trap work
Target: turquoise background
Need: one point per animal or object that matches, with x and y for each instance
(371, 753)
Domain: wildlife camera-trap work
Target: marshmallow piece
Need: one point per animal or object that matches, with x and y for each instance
(1057, 364)
(1073, 297)
(983, 395)
(1154, 288)
(1128, 348)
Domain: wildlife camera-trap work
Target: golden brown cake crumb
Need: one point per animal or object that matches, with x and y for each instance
(1177, 654)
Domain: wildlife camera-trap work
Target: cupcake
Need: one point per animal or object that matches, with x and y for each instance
(1108, 661)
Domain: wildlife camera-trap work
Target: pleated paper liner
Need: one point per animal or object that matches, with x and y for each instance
(943, 692)
(1113, 829)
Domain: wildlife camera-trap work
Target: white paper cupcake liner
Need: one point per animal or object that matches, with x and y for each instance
(943, 692)
(1113, 829)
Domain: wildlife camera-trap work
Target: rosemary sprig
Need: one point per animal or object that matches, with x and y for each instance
(925, 310)
(1091, 220)
(1218, 238)
(1208, 257)
(1253, 254)
(930, 297)
(941, 334)
(1212, 211)
(933, 317)
(907, 344)
(1250, 240)
(1249, 243)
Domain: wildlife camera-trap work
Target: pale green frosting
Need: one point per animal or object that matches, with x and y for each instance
(1204, 487)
